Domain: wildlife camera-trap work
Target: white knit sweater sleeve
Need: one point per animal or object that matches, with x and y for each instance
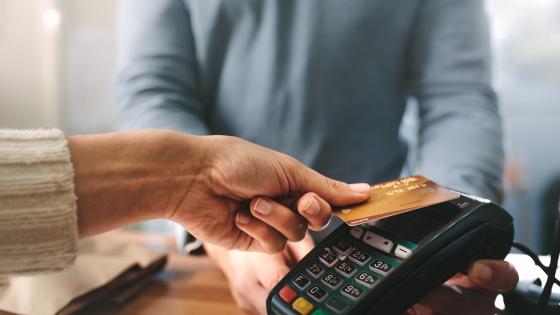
(38, 220)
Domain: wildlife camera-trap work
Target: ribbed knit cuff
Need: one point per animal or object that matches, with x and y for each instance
(38, 220)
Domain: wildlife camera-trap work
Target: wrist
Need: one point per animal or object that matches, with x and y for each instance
(127, 177)
(181, 162)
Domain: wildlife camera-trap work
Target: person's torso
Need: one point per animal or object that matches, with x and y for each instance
(321, 80)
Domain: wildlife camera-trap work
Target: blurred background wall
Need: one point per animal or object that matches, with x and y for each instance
(526, 37)
(28, 64)
(56, 59)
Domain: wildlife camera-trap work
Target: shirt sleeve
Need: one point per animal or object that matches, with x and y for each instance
(460, 141)
(156, 80)
(38, 219)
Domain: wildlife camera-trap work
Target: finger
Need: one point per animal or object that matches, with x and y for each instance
(300, 249)
(304, 179)
(281, 218)
(270, 269)
(267, 239)
(496, 275)
(455, 300)
(462, 280)
(316, 210)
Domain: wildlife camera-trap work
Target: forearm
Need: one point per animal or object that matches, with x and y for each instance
(124, 178)
(460, 126)
(461, 145)
(156, 85)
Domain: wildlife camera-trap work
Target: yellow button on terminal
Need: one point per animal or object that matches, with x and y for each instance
(302, 306)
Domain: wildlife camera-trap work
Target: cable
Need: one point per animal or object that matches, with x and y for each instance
(525, 250)
(545, 295)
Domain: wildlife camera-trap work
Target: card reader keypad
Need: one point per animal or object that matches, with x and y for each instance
(344, 271)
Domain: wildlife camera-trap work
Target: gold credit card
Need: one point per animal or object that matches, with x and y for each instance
(395, 197)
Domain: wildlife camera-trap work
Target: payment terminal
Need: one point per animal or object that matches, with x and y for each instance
(386, 266)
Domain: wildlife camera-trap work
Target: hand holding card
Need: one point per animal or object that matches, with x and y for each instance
(395, 197)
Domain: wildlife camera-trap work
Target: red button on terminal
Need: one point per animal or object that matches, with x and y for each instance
(287, 294)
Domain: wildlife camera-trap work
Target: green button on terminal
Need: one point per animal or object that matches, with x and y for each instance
(320, 312)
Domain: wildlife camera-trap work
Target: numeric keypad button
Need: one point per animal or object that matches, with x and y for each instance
(342, 248)
(366, 279)
(331, 280)
(381, 267)
(315, 270)
(301, 282)
(317, 293)
(336, 305)
(328, 258)
(352, 292)
(359, 257)
(346, 269)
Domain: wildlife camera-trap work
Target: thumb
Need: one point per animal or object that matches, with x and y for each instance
(334, 192)
(270, 269)
(496, 275)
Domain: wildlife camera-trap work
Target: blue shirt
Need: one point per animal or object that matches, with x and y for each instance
(325, 81)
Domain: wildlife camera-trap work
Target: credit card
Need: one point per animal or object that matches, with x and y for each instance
(395, 197)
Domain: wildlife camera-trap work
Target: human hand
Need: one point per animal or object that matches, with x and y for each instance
(252, 275)
(473, 294)
(207, 184)
(238, 199)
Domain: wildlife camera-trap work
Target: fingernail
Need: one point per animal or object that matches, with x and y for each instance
(262, 206)
(312, 206)
(482, 272)
(361, 188)
(243, 218)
